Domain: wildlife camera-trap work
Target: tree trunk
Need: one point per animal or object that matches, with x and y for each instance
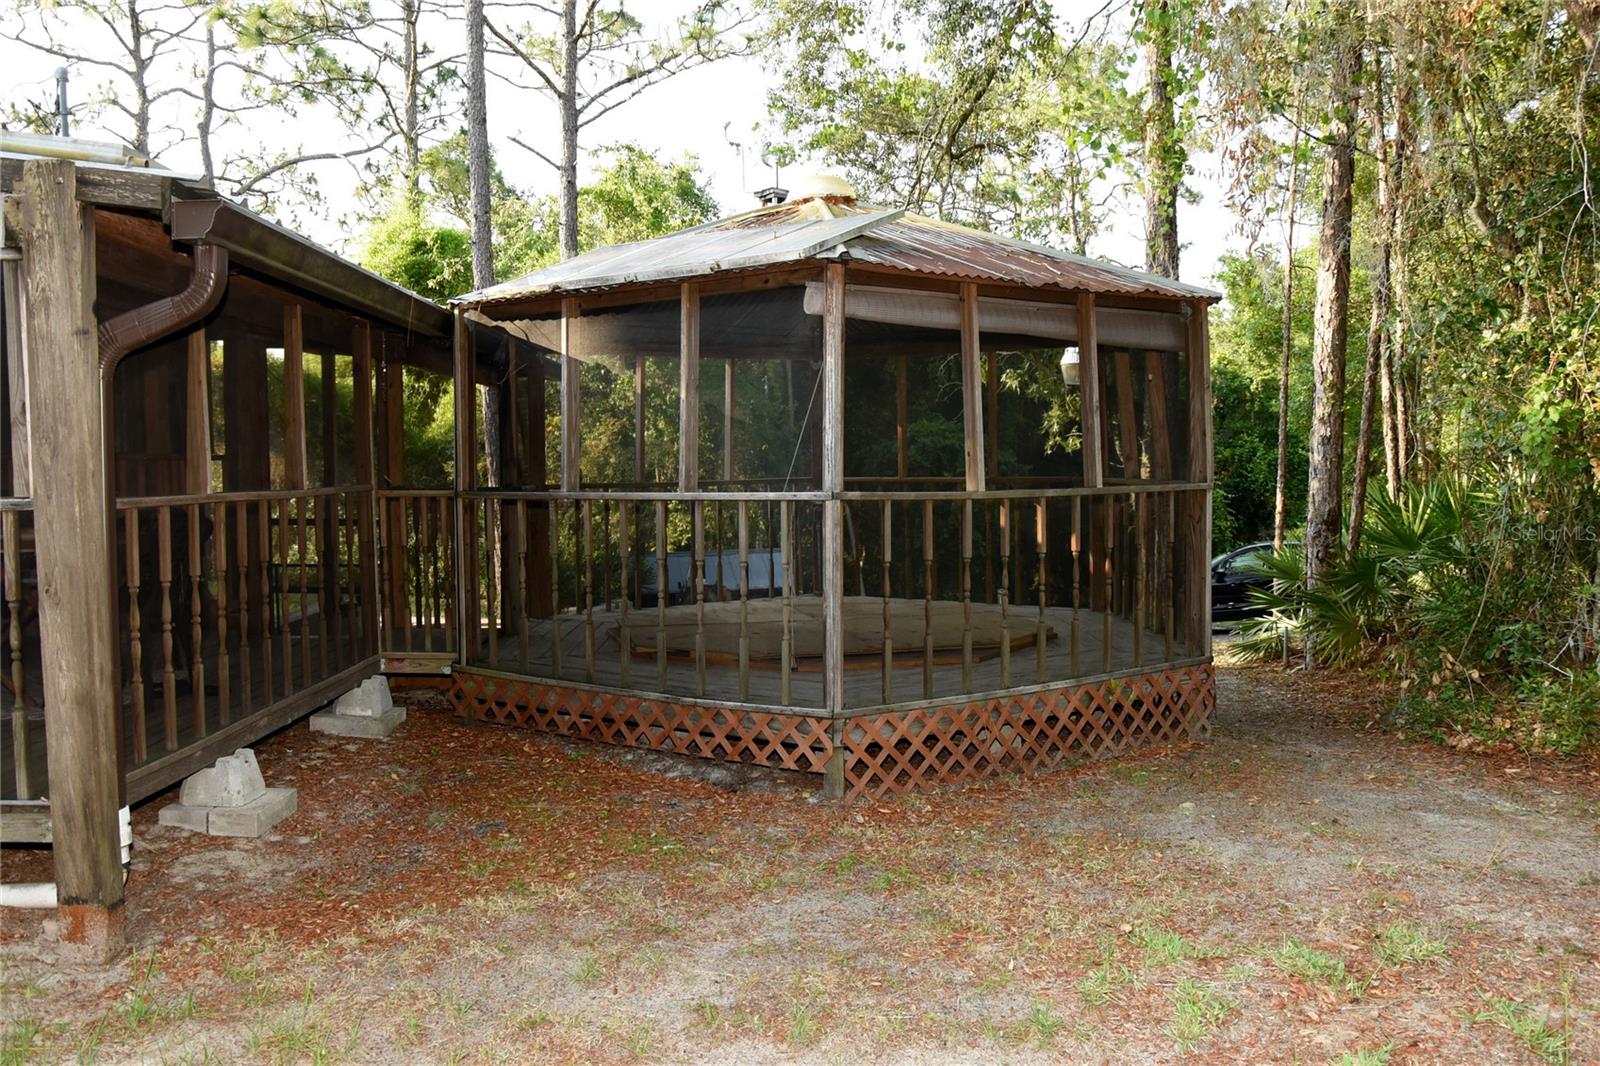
(410, 11)
(1280, 510)
(568, 169)
(1378, 327)
(1399, 272)
(482, 229)
(1163, 155)
(208, 105)
(1325, 489)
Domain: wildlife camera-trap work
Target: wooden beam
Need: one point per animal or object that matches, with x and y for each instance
(972, 390)
(71, 532)
(197, 421)
(1090, 393)
(689, 388)
(294, 398)
(571, 400)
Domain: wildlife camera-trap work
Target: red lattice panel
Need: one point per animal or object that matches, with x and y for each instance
(779, 741)
(908, 751)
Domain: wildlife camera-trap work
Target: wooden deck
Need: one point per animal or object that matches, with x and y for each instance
(1075, 646)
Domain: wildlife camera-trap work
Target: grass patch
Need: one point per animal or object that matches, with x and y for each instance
(1162, 947)
(1101, 984)
(589, 971)
(1401, 943)
(1041, 1026)
(1372, 1056)
(1197, 1010)
(1312, 965)
(21, 1040)
(804, 1026)
(1551, 1045)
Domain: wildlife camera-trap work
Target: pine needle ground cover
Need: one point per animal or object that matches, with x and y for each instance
(1304, 887)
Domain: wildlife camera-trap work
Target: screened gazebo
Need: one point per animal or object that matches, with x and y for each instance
(837, 490)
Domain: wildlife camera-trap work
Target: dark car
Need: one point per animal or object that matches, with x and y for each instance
(1234, 578)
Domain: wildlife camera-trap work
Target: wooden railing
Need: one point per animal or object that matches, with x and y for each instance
(22, 770)
(417, 532)
(236, 606)
(945, 592)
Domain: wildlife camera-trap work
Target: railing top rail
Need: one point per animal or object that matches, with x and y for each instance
(1141, 487)
(16, 503)
(130, 503)
(410, 494)
(648, 497)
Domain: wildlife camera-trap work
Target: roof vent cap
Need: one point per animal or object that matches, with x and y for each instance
(772, 196)
(824, 187)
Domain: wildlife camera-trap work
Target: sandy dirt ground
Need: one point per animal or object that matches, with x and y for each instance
(1304, 887)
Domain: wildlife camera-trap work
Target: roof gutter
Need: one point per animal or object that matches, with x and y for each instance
(257, 242)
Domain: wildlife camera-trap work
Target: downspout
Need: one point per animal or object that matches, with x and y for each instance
(128, 332)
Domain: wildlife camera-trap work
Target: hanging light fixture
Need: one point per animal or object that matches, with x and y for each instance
(1069, 367)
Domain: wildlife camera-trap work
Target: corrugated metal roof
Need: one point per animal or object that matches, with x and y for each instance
(815, 228)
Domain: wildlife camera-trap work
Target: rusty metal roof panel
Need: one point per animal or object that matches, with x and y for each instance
(927, 246)
(815, 228)
(689, 253)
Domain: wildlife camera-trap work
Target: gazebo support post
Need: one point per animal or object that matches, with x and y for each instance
(1197, 510)
(833, 521)
(571, 399)
(75, 616)
(977, 471)
(689, 389)
(466, 401)
(1090, 398)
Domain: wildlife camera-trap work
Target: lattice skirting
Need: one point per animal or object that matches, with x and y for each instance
(907, 751)
(779, 741)
(883, 754)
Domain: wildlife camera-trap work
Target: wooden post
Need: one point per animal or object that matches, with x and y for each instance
(365, 475)
(727, 422)
(833, 312)
(571, 399)
(1089, 398)
(1090, 393)
(902, 452)
(197, 421)
(638, 420)
(466, 599)
(689, 388)
(1160, 435)
(82, 730)
(972, 390)
(1201, 469)
(294, 398)
(991, 415)
(539, 571)
(1127, 416)
(16, 387)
